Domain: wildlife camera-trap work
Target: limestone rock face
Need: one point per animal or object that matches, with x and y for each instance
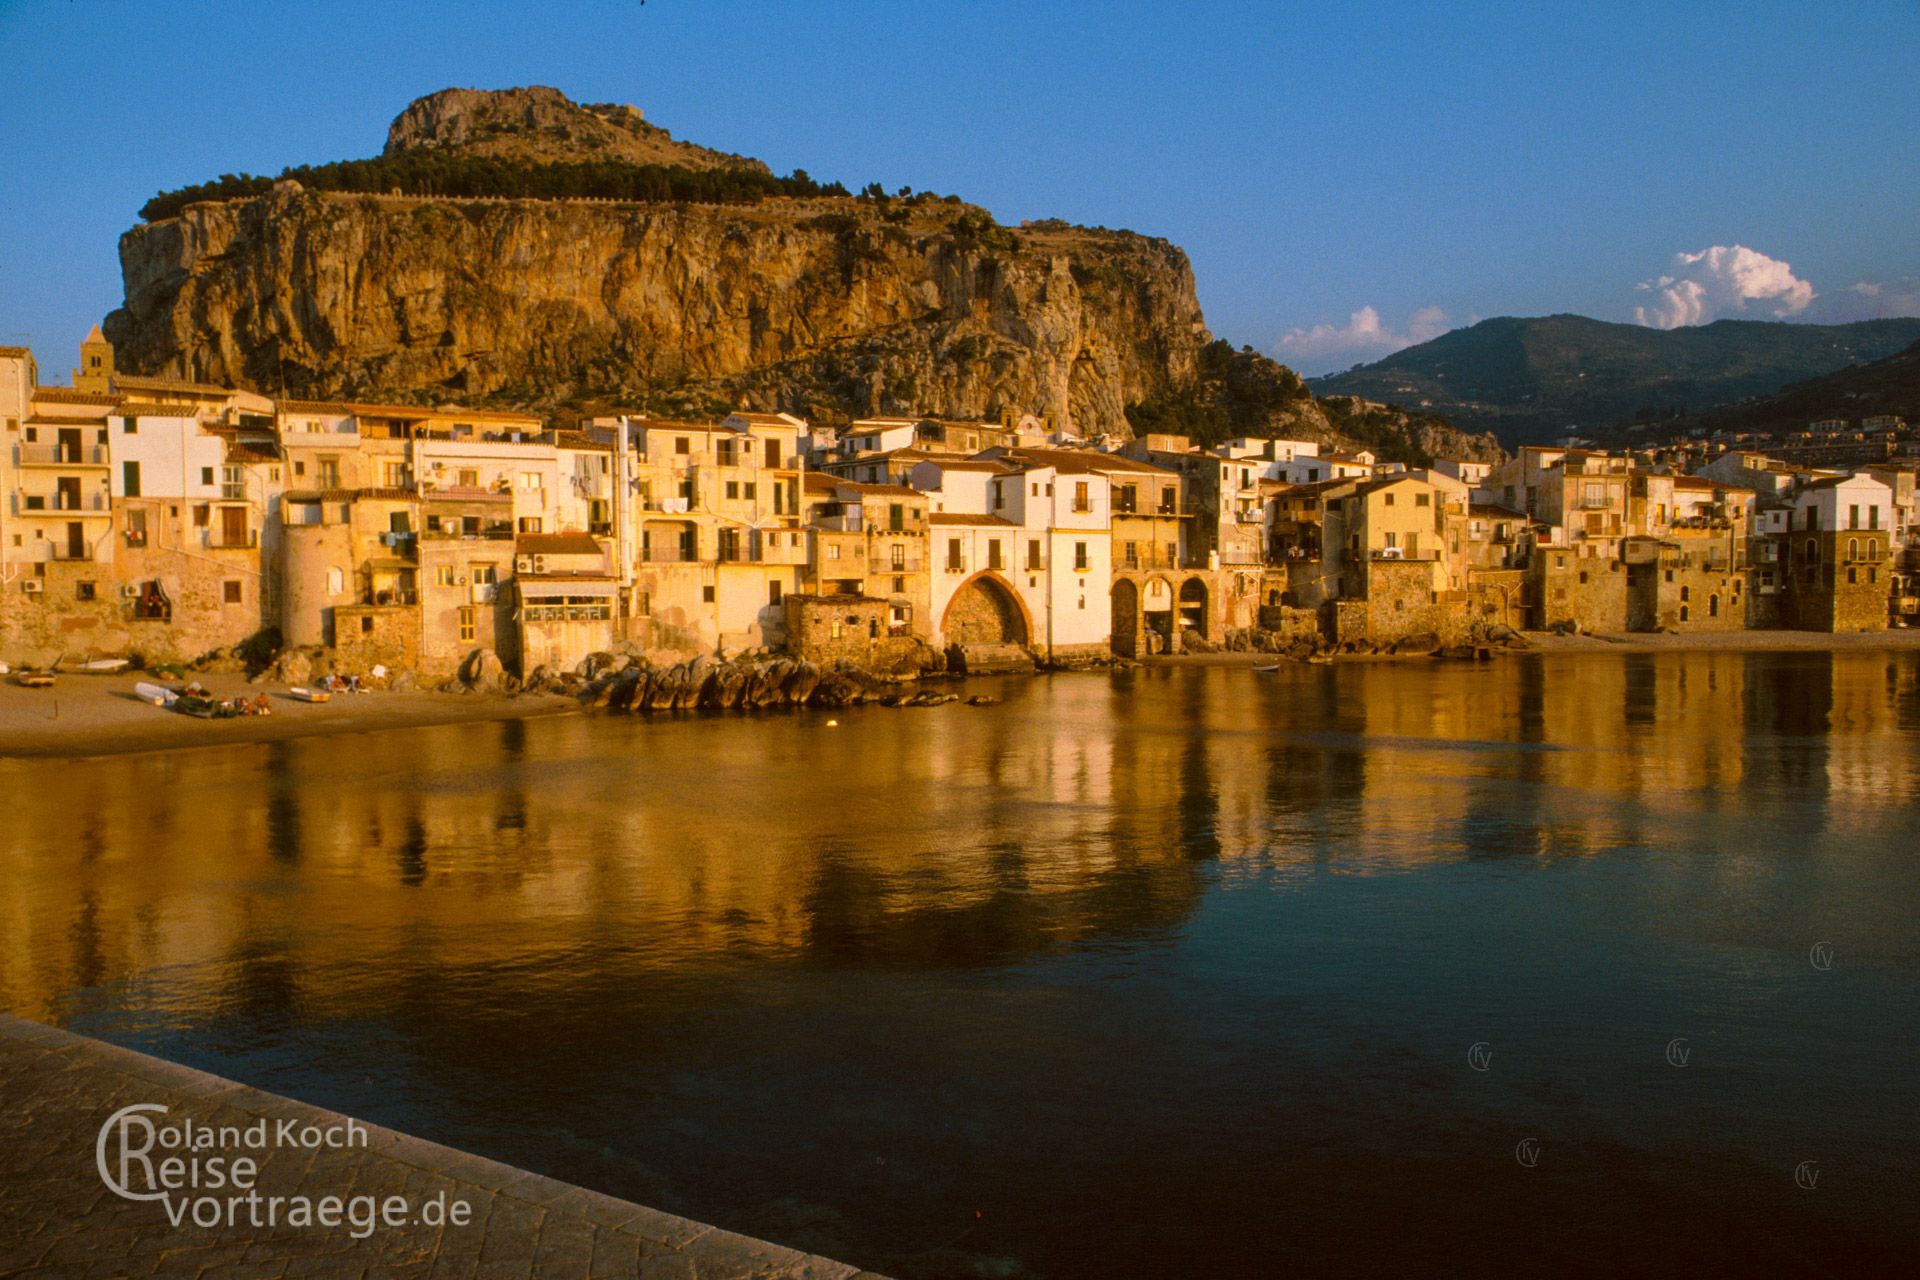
(818, 306)
(539, 123)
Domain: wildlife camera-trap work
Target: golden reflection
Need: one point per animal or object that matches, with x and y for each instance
(322, 874)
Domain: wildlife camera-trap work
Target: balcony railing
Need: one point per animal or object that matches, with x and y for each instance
(71, 552)
(221, 540)
(94, 503)
(387, 596)
(63, 455)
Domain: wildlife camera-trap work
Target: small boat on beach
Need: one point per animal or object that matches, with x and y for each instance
(1274, 667)
(203, 708)
(158, 695)
(98, 667)
(309, 695)
(34, 679)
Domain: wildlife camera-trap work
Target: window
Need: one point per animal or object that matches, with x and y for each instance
(1132, 551)
(900, 557)
(466, 622)
(299, 468)
(336, 582)
(530, 524)
(83, 591)
(706, 595)
(443, 576)
(130, 479)
(467, 478)
(1422, 500)
(748, 490)
(1080, 555)
(833, 551)
(1081, 499)
(896, 518)
(773, 592)
(1033, 554)
(1853, 515)
(773, 453)
(733, 489)
(206, 476)
(1387, 499)
(129, 425)
(953, 555)
(200, 515)
(643, 603)
(682, 445)
(329, 473)
(484, 575)
(993, 553)
(230, 592)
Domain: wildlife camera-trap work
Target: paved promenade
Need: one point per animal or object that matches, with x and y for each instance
(58, 1218)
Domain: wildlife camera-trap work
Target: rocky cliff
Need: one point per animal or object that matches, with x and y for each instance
(828, 305)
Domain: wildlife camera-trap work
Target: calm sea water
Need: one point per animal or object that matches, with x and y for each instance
(1172, 972)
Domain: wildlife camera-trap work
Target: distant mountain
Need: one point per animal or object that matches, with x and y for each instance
(1532, 380)
(1886, 386)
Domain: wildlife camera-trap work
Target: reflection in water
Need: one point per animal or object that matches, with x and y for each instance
(1131, 968)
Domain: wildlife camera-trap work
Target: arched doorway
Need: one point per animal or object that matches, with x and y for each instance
(985, 611)
(1126, 618)
(1157, 614)
(1193, 606)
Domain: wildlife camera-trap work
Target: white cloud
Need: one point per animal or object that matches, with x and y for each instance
(1364, 336)
(1706, 285)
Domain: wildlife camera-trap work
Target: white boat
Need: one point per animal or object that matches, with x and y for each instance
(1274, 667)
(98, 667)
(158, 695)
(308, 695)
(34, 679)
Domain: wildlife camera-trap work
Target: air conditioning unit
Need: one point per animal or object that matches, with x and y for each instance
(129, 592)
(1388, 553)
(32, 586)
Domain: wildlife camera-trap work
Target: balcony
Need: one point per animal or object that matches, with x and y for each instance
(236, 540)
(468, 493)
(70, 552)
(669, 555)
(388, 597)
(63, 455)
(88, 504)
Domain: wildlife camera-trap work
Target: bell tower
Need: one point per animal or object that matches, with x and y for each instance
(95, 373)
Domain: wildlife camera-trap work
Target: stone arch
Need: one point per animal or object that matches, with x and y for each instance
(1193, 607)
(1157, 614)
(985, 610)
(1126, 618)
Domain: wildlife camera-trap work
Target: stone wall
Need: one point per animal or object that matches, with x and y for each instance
(366, 634)
(1589, 592)
(39, 627)
(1400, 601)
(1497, 598)
(844, 628)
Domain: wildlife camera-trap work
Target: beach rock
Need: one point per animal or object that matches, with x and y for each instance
(983, 700)
(483, 671)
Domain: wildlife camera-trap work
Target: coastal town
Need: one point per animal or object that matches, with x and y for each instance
(163, 520)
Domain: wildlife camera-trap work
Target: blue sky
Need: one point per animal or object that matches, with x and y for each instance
(1345, 177)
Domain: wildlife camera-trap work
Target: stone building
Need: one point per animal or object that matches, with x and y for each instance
(870, 540)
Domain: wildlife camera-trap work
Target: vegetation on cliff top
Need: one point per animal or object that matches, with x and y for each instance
(455, 174)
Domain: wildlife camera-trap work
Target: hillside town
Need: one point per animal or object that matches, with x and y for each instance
(167, 520)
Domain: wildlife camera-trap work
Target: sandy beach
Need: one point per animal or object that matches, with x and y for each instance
(98, 715)
(85, 716)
